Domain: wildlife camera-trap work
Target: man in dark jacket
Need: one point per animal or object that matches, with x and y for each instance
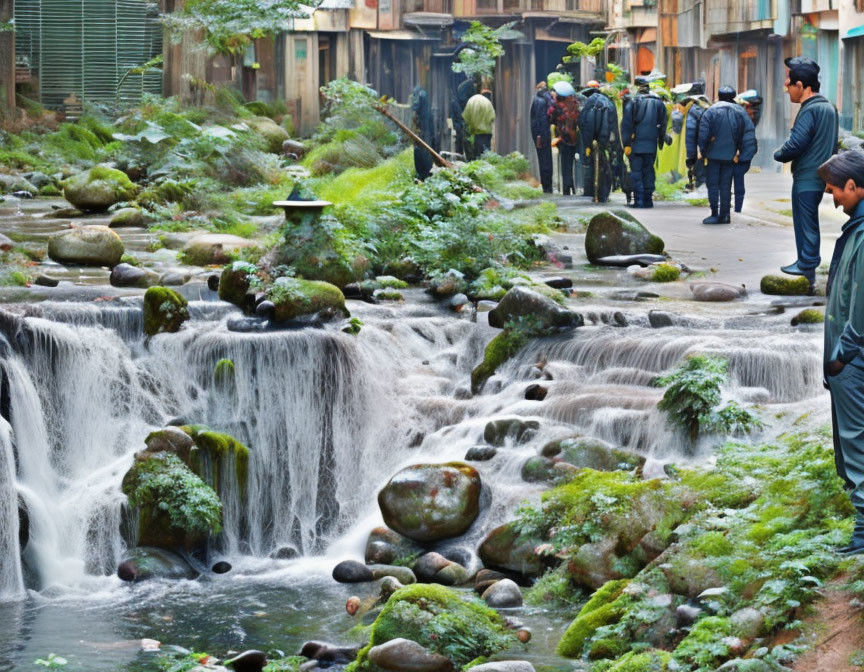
(696, 104)
(599, 129)
(541, 133)
(748, 150)
(425, 129)
(643, 131)
(721, 138)
(813, 141)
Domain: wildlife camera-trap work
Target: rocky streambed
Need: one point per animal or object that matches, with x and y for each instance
(378, 474)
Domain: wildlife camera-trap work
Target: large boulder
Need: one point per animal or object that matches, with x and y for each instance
(433, 617)
(295, 297)
(165, 311)
(127, 217)
(273, 134)
(524, 302)
(352, 571)
(213, 248)
(618, 232)
(10, 184)
(505, 548)
(235, 281)
(504, 594)
(589, 453)
(86, 245)
(99, 188)
(432, 502)
(782, 286)
(147, 562)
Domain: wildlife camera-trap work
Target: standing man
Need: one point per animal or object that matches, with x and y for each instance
(695, 105)
(542, 134)
(643, 131)
(844, 331)
(599, 129)
(425, 129)
(721, 139)
(812, 141)
(565, 115)
(479, 117)
(748, 150)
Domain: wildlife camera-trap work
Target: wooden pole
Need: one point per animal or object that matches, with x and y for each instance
(436, 157)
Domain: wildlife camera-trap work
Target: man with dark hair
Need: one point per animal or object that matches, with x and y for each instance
(425, 129)
(812, 141)
(643, 132)
(542, 135)
(721, 141)
(844, 331)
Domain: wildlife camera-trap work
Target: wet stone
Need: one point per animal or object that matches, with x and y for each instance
(481, 453)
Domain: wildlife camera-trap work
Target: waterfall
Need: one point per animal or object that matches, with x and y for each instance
(11, 577)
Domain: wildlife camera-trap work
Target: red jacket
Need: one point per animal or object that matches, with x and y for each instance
(565, 115)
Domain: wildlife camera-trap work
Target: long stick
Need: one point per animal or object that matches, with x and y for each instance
(436, 157)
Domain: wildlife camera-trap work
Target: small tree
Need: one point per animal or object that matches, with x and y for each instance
(230, 26)
(478, 59)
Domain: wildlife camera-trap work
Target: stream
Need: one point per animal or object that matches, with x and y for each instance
(329, 418)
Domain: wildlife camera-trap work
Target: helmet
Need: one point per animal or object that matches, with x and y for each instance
(564, 89)
(593, 84)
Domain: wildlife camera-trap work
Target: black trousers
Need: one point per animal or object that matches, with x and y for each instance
(568, 157)
(544, 159)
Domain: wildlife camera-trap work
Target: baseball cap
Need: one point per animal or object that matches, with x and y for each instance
(802, 66)
(564, 89)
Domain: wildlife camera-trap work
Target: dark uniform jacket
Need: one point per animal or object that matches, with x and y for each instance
(643, 127)
(540, 117)
(721, 131)
(599, 121)
(691, 133)
(749, 146)
(813, 141)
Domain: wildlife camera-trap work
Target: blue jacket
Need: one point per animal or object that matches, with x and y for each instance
(813, 141)
(691, 132)
(599, 121)
(540, 117)
(749, 146)
(721, 132)
(643, 127)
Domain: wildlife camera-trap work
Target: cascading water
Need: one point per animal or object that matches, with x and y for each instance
(11, 577)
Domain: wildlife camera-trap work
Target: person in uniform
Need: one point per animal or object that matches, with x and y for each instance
(598, 123)
(643, 132)
(542, 134)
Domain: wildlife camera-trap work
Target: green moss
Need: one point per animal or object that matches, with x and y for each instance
(775, 285)
(176, 508)
(603, 608)
(217, 452)
(49, 190)
(294, 297)
(808, 316)
(389, 282)
(500, 349)
(704, 646)
(389, 295)
(223, 377)
(167, 191)
(666, 273)
(164, 311)
(440, 619)
(647, 661)
(235, 281)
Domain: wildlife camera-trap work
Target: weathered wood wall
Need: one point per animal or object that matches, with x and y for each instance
(7, 62)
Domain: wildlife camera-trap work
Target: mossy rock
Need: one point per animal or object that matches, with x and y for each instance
(386, 547)
(538, 469)
(148, 562)
(294, 297)
(272, 133)
(706, 643)
(500, 349)
(655, 660)
(610, 233)
(588, 453)
(165, 311)
(432, 502)
(213, 248)
(215, 453)
(127, 217)
(86, 245)
(539, 306)
(780, 286)
(99, 188)
(436, 617)
(336, 271)
(808, 316)
(604, 608)
(176, 509)
(507, 549)
(665, 273)
(235, 281)
(224, 378)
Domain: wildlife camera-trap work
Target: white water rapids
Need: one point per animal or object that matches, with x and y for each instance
(328, 417)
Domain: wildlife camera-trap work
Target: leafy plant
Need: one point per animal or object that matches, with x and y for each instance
(53, 662)
(229, 26)
(580, 50)
(478, 59)
(693, 394)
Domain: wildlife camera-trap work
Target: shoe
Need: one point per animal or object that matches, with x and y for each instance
(713, 219)
(793, 269)
(724, 219)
